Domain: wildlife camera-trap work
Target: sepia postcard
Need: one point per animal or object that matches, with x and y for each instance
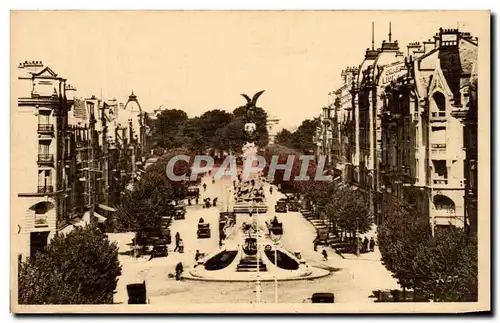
(250, 162)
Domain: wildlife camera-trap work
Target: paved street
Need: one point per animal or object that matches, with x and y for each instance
(352, 280)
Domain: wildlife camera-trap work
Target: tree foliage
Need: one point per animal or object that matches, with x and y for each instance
(353, 212)
(81, 267)
(214, 129)
(442, 267)
(283, 153)
(168, 128)
(151, 199)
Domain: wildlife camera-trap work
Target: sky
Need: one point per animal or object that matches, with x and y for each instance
(197, 61)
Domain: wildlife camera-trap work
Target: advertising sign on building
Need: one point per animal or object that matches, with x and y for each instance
(392, 73)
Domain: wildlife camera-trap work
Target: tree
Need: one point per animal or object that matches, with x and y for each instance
(284, 138)
(232, 136)
(168, 128)
(352, 211)
(442, 267)
(209, 123)
(81, 267)
(151, 199)
(283, 154)
(303, 138)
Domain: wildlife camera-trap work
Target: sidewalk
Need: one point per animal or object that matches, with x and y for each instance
(372, 256)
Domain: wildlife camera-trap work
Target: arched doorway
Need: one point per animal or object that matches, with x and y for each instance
(39, 240)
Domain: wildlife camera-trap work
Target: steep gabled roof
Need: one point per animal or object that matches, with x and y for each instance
(47, 71)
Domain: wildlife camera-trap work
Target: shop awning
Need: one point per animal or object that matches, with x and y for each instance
(107, 208)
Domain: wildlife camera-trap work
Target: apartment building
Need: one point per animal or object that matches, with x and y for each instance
(413, 123)
(41, 190)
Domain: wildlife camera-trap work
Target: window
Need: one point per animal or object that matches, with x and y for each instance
(440, 101)
(43, 118)
(438, 135)
(45, 181)
(43, 149)
(440, 168)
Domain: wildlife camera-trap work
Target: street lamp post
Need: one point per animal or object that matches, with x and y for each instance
(275, 238)
(258, 287)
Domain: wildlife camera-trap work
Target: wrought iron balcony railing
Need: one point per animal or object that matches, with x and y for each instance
(46, 128)
(45, 158)
(45, 189)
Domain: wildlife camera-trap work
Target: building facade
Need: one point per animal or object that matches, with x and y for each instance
(71, 156)
(410, 129)
(40, 155)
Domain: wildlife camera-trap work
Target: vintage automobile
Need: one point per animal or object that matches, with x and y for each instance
(322, 238)
(203, 230)
(323, 298)
(281, 206)
(193, 191)
(180, 212)
(166, 235)
(294, 205)
(160, 248)
(137, 293)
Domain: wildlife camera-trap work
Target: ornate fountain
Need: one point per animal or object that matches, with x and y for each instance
(248, 251)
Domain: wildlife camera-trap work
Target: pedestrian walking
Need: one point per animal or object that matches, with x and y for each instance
(316, 241)
(179, 269)
(177, 239)
(197, 200)
(271, 190)
(197, 255)
(365, 244)
(204, 187)
(215, 201)
(325, 255)
(372, 244)
(181, 246)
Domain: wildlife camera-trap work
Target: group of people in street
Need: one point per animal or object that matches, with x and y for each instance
(365, 245)
(208, 202)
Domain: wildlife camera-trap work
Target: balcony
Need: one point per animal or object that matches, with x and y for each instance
(45, 189)
(46, 129)
(440, 181)
(45, 159)
(438, 116)
(437, 149)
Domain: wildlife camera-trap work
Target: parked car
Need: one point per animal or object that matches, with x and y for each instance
(160, 248)
(193, 191)
(203, 230)
(137, 293)
(323, 298)
(281, 206)
(180, 212)
(322, 236)
(294, 206)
